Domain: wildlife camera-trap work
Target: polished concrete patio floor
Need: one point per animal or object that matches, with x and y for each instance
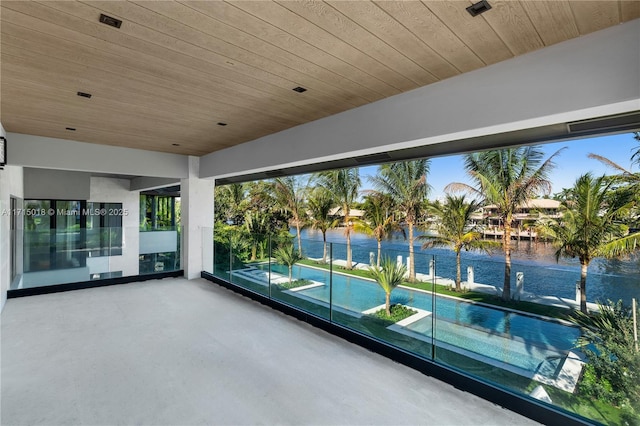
(177, 352)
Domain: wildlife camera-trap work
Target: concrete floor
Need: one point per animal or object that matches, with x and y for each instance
(177, 352)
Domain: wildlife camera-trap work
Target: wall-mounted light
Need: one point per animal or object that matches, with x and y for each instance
(3, 152)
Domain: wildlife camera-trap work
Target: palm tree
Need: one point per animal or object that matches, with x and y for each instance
(289, 193)
(230, 202)
(256, 222)
(406, 184)
(320, 202)
(344, 185)
(378, 221)
(287, 255)
(507, 178)
(389, 277)
(590, 226)
(453, 229)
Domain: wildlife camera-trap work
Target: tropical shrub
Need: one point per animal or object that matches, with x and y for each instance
(612, 373)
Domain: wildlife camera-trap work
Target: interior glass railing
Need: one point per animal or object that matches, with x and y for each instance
(74, 255)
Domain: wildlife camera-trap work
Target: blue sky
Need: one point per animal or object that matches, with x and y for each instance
(570, 163)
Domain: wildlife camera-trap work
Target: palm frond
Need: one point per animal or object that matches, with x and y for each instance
(621, 246)
(608, 163)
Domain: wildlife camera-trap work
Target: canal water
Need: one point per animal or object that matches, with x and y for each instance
(606, 279)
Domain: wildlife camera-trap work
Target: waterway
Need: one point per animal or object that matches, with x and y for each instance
(607, 279)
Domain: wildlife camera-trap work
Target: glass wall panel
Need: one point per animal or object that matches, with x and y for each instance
(303, 283)
(159, 250)
(519, 345)
(208, 249)
(525, 339)
(247, 261)
(359, 297)
(221, 255)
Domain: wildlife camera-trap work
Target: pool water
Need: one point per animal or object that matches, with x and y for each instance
(523, 344)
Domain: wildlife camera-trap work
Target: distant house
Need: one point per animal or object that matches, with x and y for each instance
(524, 219)
(337, 212)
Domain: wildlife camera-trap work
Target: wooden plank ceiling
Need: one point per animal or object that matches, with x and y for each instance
(174, 70)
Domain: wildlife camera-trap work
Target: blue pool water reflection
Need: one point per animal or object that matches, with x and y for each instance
(521, 343)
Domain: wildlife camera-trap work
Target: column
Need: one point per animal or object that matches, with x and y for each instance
(196, 201)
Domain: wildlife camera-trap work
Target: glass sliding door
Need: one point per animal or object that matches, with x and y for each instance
(37, 235)
(70, 226)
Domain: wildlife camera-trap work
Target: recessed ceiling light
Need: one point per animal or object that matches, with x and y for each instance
(175, 144)
(112, 22)
(222, 124)
(73, 129)
(299, 89)
(478, 8)
(84, 95)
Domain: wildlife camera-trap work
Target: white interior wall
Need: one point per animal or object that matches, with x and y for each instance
(591, 76)
(10, 185)
(111, 190)
(52, 153)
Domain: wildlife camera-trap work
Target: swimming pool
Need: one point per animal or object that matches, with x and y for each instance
(525, 345)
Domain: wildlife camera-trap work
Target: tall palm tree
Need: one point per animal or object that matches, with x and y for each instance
(389, 276)
(320, 202)
(288, 256)
(378, 221)
(507, 178)
(289, 192)
(406, 184)
(590, 226)
(344, 184)
(453, 229)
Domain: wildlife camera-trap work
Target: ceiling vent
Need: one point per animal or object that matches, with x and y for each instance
(478, 8)
(373, 158)
(608, 124)
(108, 20)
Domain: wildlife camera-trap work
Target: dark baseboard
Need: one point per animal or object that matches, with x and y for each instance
(527, 407)
(57, 288)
